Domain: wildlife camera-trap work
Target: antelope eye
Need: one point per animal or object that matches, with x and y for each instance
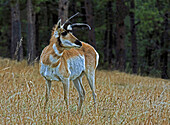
(64, 33)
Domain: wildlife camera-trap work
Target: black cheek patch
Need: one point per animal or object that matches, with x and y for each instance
(59, 41)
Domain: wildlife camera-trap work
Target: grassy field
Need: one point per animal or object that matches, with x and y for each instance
(121, 98)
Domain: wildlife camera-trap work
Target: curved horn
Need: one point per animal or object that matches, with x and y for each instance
(70, 18)
(81, 24)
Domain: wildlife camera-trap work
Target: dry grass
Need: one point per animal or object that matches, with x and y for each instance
(122, 98)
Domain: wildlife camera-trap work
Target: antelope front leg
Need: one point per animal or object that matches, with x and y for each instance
(66, 86)
(48, 88)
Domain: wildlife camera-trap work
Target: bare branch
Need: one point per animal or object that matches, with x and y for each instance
(18, 46)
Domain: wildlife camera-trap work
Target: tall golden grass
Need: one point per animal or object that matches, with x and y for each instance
(121, 98)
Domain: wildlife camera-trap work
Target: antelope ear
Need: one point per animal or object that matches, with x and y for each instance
(56, 34)
(58, 24)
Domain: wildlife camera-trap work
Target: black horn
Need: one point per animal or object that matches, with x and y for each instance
(80, 24)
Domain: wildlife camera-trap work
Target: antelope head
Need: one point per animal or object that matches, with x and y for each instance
(63, 32)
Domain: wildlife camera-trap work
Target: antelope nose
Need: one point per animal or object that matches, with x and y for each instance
(77, 42)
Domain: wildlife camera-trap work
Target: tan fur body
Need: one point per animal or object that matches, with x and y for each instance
(87, 51)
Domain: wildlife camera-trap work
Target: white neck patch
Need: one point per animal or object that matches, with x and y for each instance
(56, 50)
(56, 34)
(53, 60)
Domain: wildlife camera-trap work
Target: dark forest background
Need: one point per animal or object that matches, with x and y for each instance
(130, 35)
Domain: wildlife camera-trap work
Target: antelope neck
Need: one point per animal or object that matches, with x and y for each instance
(57, 50)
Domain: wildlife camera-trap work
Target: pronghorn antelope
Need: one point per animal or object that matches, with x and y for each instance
(66, 59)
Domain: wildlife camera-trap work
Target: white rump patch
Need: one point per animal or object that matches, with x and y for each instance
(97, 59)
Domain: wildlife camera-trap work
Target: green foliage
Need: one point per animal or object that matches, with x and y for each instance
(150, 29)
(149, 15)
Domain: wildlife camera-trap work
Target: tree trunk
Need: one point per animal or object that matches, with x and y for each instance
(108, 41)
(120, 48)
(120, 37)
(83, 12)
(110, 19)
(133, 38)
(31, 32)
(164, 48)
(54, 18)
(48, 13)
(105, 47)
(149, 58)
(37, 43)
(63, 10)
(16, 42)
(90, 21)
(73, 6)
